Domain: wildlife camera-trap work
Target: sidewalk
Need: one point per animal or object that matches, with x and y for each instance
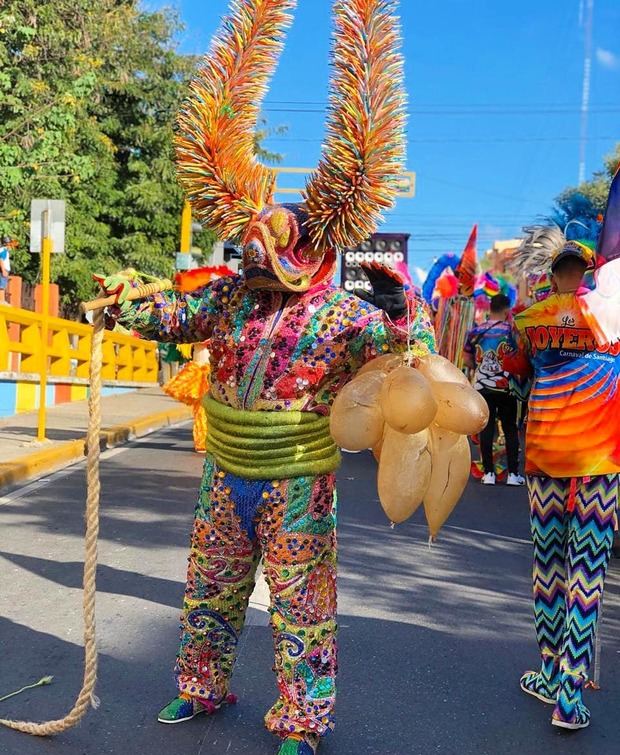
(124, 416)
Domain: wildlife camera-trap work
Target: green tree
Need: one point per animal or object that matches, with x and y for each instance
(588, 200)
(88, 94)
(263, 132)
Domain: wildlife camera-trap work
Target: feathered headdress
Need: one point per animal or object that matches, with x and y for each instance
(581, 222)
(225, 184)
(364, 150)
(544, 245)
(538, 248)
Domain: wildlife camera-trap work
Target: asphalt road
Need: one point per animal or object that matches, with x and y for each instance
(433, 640)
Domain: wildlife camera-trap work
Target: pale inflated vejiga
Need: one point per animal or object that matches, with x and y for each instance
(419, 417)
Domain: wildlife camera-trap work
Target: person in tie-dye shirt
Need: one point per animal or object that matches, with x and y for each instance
(485, 347)
(572, 462)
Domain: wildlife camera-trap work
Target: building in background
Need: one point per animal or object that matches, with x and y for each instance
(497, 258)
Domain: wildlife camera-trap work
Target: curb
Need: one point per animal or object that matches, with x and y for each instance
(38, 463)
(119, 434)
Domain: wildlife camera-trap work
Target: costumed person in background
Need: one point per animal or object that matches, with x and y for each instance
(572, 466)
(485, 348)
(283, 341)
(190, 385)
(455, 308)
(170, 356)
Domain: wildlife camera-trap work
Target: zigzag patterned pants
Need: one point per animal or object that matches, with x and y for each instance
(291, 524)
(571, 554)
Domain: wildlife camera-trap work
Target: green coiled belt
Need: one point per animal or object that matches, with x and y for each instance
(269, 445)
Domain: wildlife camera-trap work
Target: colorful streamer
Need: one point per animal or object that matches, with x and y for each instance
(454, 319)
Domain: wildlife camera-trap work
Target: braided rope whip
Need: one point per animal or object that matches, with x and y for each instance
(86, 696)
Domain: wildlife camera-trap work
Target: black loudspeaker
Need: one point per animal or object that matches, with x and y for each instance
(387, 248)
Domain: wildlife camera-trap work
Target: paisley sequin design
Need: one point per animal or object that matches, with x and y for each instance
(273, 351)
(291, 524)
(277, 352)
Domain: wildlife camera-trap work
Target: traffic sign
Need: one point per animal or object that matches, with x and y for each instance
(56, 224)
(184, 261)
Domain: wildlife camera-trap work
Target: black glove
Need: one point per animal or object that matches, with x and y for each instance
(388, 291)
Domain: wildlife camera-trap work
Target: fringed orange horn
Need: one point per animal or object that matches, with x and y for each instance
(216, 124)
(365, 145)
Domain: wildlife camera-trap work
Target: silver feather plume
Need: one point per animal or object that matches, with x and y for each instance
(537, 249)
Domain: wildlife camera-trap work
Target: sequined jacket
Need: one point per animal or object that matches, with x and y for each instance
(277, 351)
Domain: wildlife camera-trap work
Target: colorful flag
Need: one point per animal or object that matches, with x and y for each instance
(601, 307)
(466, 269)
(609, 242)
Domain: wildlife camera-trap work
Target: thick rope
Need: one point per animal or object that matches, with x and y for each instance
(86, 697)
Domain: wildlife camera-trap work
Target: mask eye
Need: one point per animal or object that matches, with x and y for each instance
(254, 252)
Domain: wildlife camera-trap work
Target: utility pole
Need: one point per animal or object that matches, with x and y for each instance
(186, 228)
(47, 248)
(587, 21)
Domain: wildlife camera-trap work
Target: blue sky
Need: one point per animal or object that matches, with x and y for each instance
(494, 90)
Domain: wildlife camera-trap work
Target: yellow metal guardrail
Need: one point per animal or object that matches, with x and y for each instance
(125, 359)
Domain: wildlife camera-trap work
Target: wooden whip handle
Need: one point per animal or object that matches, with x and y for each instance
(139, 292)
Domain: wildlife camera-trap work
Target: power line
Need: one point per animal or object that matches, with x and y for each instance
(525, 110)
(453, 228)
(460, 106)
(465, 224)
(462, 218)
(452, 140)
(477, 190)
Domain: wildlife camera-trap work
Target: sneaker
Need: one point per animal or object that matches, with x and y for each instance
(533, 683)
(579, 718)
(570, 712)
(489, 478)
(515, 479)
(184, 708)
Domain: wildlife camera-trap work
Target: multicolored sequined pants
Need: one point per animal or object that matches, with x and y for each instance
(571, 554)
(291, 524)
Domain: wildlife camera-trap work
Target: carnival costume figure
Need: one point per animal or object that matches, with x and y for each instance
(189, 386)
(191, 383)
(283, 340)
(573, 466)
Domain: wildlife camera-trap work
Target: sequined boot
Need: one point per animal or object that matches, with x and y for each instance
(184, 708)
(544, 685)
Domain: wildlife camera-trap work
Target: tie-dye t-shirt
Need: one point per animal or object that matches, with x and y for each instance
(574, 409)
(487, 344)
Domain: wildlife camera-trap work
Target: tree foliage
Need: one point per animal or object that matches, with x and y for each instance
(587, 202)
(263, 132)
(88, 94)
